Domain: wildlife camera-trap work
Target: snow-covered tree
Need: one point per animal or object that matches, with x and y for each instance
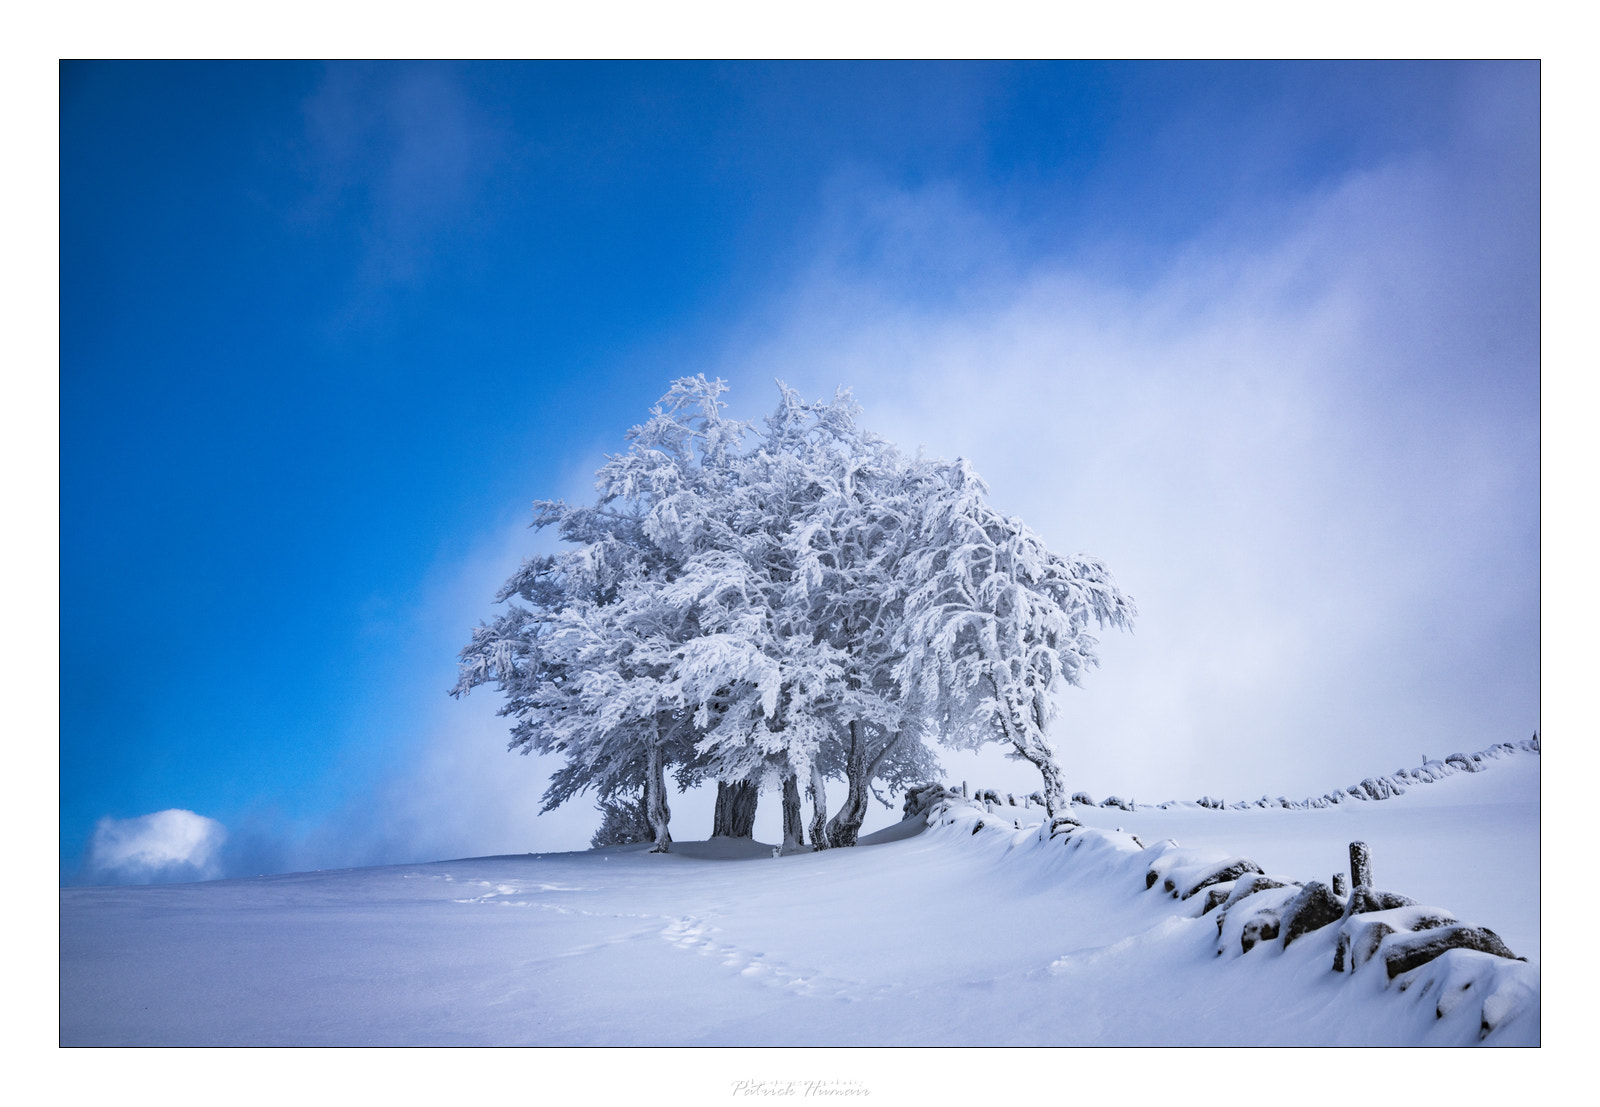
(587, 681)
(816, 606)
(819, 522)
(588, 667)
(999, 623)
(846, 552)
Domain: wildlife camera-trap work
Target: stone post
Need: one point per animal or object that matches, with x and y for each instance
(1360, 865)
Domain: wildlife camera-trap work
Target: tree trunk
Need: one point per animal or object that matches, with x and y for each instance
(1033, 747)
(736, 809)
(655, 798)
(859, 773)
(746, 794)
(819, 808)
(1055, 795)
(843, 827)
(793, 837)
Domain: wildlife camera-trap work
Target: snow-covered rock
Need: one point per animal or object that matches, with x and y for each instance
(1313, 908)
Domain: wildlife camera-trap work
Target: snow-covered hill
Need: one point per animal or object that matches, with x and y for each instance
(946, 937)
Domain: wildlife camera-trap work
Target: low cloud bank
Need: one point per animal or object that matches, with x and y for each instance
(162, 847)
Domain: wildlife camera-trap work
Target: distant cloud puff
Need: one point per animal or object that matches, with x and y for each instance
(166, 846)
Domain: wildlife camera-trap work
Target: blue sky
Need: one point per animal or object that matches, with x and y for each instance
(1264, 337)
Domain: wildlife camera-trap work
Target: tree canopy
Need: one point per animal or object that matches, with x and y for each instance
(795, 603)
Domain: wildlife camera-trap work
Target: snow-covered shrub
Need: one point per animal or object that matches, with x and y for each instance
(623, 822)
(920, 799)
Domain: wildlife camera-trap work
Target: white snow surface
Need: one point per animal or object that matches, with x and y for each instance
(947, 937)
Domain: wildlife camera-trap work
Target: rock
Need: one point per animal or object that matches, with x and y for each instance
(1165, 863)
(1117, 802)
(1083, 798)
(1407, 953)
(1216, 896)
(1463, 762)
(1245, 886)
(1381, 788)
(1064, 824)
(1253, 883)
(1244, 921)
(1364, 900)
(1262, 928)
(1361, 935)
(1341, 884)
(1354, 950)
(1314, 908)
(1231, 869)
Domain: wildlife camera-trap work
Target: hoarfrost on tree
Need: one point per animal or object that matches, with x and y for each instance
(816, 605)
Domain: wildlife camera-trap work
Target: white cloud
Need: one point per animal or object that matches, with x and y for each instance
(171, 845)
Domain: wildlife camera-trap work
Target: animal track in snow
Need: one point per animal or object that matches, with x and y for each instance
(692, 934)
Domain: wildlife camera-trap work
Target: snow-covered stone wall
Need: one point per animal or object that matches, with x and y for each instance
(1374, 938)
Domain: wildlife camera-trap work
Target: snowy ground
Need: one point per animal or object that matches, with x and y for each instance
(943, 938)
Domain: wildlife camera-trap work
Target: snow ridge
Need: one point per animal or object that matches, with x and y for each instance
(1384, 787)
(1389, 945)
(1370, 788)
